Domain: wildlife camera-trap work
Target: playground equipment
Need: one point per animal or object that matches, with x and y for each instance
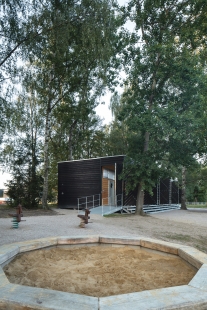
(187, 296)
(84, 218)
(16, 217)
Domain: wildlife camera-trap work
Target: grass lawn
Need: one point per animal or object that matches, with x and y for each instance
(197, 206)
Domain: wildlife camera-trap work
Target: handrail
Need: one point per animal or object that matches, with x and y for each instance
(93, 201)
(118, 203)
(89, 202)
(119, 200)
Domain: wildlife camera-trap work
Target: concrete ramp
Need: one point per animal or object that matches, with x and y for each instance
(104, 210)
(149, 209)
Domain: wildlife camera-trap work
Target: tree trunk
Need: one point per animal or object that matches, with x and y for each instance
(46, 160)
(140, 192)
(140, 201)
(33, 135)
(70, 139)
(183, 191)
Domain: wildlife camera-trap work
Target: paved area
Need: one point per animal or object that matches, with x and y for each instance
(192, 223)
(191, 216)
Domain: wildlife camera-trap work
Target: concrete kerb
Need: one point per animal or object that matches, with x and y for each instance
(191, 296)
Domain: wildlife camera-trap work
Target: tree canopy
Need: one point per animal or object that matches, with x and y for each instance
(162, 105)
(60, 55)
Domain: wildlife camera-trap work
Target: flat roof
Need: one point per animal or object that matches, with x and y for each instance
(65, 161)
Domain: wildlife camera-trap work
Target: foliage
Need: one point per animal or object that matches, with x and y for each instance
(21, 149)
(26, 185)
(74, 49)
(162, 102)
(117, 137)
(67, 47)
(196, 184)
(14, 31)
(71, 68)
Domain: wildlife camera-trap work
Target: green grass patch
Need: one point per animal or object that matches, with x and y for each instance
(197, 206)
(179, 237)
(117, 215)
(52, 205)
(4, 206)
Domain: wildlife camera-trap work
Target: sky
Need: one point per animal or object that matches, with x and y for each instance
(3, 178)
(103, 109)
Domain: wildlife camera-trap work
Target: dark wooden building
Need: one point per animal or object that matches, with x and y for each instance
(166, 192)
(99, 177)
(86, 177)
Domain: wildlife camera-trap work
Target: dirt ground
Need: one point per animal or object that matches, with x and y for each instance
(99, 270)
(184, 227)
(179, 226)
(123, 269)
(5, 210)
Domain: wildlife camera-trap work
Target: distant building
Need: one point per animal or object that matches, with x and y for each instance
(3, 196)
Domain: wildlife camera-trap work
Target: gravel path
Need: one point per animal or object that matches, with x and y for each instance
(184, 227)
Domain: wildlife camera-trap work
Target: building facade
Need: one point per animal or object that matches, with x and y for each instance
(100, 178)
(87, 177)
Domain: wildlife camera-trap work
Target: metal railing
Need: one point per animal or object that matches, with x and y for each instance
(93, 201)
(108, 207)
(89, 202)
(118, 201)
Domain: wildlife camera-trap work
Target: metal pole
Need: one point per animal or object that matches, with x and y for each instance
(178, 194)
(170, 192)
(159, 191)
(115, 182)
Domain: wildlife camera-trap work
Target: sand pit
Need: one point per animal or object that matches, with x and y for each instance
(99, 270)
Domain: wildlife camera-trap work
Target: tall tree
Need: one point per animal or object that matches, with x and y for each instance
(164, 91)
(196, 189)
(71, 62)
(22, 151)
(117, 136)
(15, 33)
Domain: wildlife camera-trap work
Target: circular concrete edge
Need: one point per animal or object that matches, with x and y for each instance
(191, 296)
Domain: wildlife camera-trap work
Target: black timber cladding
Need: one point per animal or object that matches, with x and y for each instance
(80, 178)
(167, 192)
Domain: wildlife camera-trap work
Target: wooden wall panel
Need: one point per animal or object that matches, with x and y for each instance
(105, 191)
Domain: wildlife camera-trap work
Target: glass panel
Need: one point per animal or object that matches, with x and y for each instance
(107, 174)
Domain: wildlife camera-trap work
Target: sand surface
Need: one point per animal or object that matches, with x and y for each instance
(99, 270)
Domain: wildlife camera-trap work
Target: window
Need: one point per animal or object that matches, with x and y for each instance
(107, 174)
